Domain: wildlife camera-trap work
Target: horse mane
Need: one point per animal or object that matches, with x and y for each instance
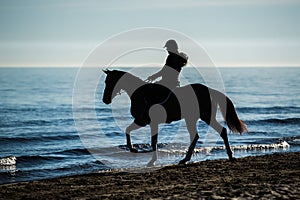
(129, 75)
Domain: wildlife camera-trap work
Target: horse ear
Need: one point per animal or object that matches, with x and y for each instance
(106, 71)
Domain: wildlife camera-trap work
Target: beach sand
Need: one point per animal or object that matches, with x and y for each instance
(263, 177)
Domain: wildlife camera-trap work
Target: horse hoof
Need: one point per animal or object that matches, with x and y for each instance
(232, 159)
(182, 162)
(150, 164)
(133, 150)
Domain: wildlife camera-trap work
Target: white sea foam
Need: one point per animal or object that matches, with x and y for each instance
(7, 161)
(281, 145)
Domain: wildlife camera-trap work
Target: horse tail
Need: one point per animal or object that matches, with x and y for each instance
(230, 116)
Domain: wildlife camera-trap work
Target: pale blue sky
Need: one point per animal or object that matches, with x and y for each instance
(234, 32)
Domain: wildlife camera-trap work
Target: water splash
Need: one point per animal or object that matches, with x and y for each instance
(8, 161)
(8, 165)
(259, 147)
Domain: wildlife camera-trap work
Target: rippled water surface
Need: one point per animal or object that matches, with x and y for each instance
(38, 131)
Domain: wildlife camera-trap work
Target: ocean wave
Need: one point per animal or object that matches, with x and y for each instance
(91, 109)
(10, 140)
(53, 156)
(21, 123)
(36, 122)
(280, 145)
(37, 158)
(292, 121)
(250, 147)
(144, 146)
(87, 166)
(293, 140)
(250, 110)
(78, 151)
(255, 110)
(15, 174)
(33, 109)
(177, 148)
(8, 161)
(269, 110)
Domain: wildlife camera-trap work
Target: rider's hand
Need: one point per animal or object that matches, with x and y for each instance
(149, 79)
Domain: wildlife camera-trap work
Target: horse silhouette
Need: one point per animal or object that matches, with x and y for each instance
(153, 104)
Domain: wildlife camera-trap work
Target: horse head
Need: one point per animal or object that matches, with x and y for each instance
(112, 85)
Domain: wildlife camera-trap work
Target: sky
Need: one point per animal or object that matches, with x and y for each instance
(233, 32)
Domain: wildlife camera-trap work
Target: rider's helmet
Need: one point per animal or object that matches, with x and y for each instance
(171, 45)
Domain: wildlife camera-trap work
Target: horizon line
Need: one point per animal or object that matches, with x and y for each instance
(133, 66)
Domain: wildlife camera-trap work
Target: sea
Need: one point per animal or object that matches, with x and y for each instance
(43, 134)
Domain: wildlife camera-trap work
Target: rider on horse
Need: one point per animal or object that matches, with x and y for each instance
(170, 71)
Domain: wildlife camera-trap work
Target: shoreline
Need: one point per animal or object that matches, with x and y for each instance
(268, 176)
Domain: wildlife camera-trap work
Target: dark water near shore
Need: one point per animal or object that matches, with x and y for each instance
(37, 126)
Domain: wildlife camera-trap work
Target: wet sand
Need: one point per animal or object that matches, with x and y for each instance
(263, 177)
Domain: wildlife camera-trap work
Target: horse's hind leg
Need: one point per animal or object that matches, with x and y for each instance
(192, 128)
(223, 133)
(154, 136)
(131, 127)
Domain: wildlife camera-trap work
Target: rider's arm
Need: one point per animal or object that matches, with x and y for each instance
(156, 75)
(159, 73)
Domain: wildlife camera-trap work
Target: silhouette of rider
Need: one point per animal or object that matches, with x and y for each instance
(170, 72)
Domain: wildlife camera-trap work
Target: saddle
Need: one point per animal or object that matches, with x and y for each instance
(151, 94)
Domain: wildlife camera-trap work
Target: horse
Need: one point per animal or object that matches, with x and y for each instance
(153, 104)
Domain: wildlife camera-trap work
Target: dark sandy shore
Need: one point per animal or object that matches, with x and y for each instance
(264, 177)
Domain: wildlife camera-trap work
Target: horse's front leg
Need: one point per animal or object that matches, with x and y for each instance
(154, 136)
(131, 127)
